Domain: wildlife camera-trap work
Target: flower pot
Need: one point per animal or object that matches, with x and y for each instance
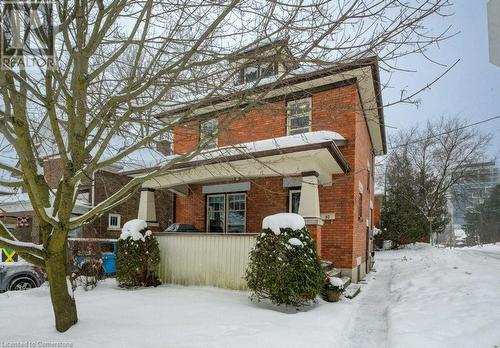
(332, 295)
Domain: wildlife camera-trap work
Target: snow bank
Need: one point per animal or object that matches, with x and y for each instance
(133, 229)
(283, 220)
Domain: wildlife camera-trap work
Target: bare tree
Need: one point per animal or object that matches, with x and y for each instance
(430, 161)
(119, 63)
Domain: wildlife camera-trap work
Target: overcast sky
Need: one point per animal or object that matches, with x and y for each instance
(470, 90)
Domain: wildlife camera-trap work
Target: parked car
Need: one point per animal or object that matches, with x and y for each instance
(181, 228)
(20, 276)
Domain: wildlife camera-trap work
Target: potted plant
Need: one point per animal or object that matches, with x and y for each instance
(332, 288)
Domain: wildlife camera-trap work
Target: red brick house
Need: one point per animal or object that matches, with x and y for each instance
(308, 147)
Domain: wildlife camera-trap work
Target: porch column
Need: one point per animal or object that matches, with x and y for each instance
(309, 206)
(147, 208)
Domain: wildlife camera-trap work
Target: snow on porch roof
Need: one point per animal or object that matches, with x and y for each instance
(262, 148)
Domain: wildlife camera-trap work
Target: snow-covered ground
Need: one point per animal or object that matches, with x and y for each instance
(419, 297)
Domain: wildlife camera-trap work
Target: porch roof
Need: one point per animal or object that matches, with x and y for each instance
(283, 156)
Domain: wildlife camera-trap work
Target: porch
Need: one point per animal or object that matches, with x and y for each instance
(218, 190)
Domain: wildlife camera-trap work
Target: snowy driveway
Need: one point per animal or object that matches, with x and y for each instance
(419, 297)
(428, 297)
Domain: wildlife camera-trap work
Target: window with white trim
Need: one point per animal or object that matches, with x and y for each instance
(299, 116)
(226, 213)
(114, 221)
(208, 129)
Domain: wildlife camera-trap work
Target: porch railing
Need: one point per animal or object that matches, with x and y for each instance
(205, 258)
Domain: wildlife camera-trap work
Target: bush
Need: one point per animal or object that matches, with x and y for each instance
(285, 268)
(138, 256)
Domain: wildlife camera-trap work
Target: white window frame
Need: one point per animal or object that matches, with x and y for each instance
(290, 193)
(226, 210)
(215, 141)
(290, 118)
(208, 211)
(118, 219)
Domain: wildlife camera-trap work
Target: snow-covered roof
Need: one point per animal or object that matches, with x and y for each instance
(249, 148)
(20, 201)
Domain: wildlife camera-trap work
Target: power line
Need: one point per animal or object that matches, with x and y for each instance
(444, 133)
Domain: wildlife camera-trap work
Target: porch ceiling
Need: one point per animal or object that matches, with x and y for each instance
(324, 158)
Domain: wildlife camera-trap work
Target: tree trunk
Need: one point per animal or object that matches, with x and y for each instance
(61, 293)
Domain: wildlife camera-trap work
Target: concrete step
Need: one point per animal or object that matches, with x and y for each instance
(352, 290)
(333, 273)
(346, 280)
(326, 265)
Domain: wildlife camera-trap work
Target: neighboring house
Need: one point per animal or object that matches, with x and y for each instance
(308, 148)
(16, 210)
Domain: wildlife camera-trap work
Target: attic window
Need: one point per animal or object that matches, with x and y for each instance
(263, 70)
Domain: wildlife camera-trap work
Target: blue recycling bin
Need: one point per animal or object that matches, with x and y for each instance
(109, 263)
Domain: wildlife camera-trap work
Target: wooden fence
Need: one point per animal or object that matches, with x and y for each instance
(205, 258)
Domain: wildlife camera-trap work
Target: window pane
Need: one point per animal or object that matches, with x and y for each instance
(236, 222)
(267, 70)
(251, 74)
(215, 214)
(298, 131)
(236, 213)
(216, 222)
(299, 122)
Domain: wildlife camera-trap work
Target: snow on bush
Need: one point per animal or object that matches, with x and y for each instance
(283, 220)
(284, 267)
(295, 242)
(137, 256)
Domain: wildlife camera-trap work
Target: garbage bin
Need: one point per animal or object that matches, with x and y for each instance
(109, 262)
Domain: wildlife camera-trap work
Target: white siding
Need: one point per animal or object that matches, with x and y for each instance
(205, 259)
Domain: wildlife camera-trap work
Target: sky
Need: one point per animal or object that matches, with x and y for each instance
(471, 90)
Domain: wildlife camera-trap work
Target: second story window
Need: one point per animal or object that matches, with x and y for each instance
(299, 116)
(208, 133)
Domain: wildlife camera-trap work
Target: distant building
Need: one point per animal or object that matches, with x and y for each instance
(465, 196)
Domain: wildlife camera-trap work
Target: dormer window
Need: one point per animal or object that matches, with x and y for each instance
(266, 60)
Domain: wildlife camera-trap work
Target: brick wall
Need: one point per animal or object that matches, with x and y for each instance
(339, 110)
(377, 208)
(267, 196)
(107, 183)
